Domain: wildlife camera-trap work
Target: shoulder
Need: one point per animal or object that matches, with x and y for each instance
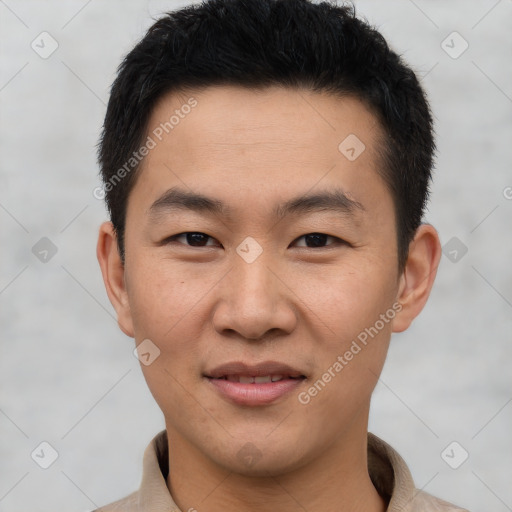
(128, 504)
(424, 502)
(392, 478)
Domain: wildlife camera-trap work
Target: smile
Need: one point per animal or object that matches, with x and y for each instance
(254, 385)
(261, 379)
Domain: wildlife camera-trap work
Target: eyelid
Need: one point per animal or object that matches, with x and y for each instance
(171, 238)
(338, 241)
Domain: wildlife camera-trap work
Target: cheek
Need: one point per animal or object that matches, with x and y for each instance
(166, 309)
(162, 298)
(341, 390)
(347, 298)
(355, 311)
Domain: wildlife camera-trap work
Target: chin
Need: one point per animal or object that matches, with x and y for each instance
(251, 461)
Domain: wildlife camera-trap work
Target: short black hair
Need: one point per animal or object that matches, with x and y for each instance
(258, 43)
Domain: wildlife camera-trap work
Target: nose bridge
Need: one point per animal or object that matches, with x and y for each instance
(253, 300)
(254, 286)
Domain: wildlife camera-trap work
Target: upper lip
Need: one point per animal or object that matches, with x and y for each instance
(253, 370)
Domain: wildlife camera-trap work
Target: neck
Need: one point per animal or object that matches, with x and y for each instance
(335, 481)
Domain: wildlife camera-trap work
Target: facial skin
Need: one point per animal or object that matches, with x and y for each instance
(295, 303)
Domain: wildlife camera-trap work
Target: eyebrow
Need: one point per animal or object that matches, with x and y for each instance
(176, 198)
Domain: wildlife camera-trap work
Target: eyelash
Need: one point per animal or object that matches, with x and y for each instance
(338, 241)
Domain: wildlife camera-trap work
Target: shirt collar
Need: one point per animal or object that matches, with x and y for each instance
(388, 472)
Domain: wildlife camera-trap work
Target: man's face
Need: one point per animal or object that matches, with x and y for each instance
(250, 287)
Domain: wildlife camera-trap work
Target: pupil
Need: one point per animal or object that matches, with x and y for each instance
(195, 237)
(318, 239)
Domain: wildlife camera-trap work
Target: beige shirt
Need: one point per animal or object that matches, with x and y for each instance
(387, 469)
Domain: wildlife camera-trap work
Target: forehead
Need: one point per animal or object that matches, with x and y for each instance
(273, 141)
(273, 117)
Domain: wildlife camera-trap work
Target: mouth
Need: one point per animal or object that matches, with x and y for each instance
(257, 379)
(253, 385)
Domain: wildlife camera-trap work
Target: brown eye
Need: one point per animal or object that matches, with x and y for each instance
(191, 238)
(313, 240)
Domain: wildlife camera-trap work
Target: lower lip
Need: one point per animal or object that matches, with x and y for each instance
(255, 394)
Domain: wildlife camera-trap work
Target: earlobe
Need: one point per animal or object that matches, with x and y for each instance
(418, 276)
(112, 269)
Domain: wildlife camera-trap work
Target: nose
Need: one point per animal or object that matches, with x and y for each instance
(255, 301)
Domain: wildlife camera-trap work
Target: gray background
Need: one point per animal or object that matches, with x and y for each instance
(67, 373)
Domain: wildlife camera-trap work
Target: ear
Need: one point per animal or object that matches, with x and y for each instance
(112, 269)
(418, 276)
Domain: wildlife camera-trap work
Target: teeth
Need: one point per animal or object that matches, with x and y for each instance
(262, 380)
(246, 379)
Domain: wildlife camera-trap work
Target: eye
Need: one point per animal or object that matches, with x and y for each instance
(193, 238)
(319, 239)
(198, 239)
